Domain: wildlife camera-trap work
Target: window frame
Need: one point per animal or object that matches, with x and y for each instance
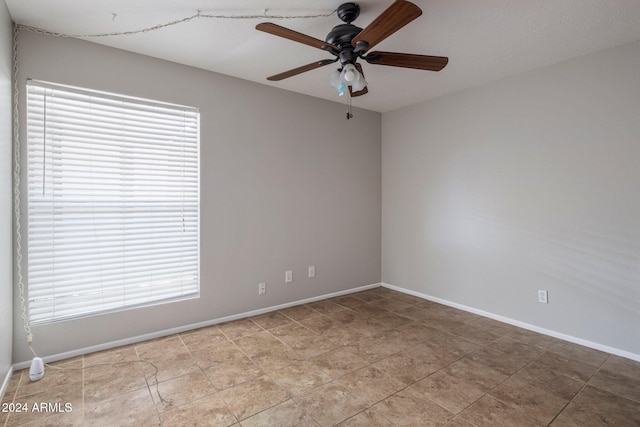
(153, 155)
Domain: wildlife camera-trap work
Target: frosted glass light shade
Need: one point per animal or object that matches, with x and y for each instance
(349, 76)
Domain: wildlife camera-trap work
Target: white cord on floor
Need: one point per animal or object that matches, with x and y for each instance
(17, 148)
(18, 217)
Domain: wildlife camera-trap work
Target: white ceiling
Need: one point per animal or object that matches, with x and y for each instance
(484, 39)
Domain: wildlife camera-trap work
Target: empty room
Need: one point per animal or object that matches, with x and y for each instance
(280, 213)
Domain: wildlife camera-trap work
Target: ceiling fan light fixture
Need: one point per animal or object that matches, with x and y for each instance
(336, 82)
(334, 79)
(359, 84)
(349, 74)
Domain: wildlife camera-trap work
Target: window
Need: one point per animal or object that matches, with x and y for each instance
(113, 202)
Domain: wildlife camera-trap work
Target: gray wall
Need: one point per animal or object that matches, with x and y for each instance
(286, 182)
(6, 191)
(530, 182)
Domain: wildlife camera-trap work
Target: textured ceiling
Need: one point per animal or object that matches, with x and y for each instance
(484, 39)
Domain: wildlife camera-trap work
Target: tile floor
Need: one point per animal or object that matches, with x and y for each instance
(373, 358)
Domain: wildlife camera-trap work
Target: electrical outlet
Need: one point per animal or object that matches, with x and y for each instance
(262, 288)
(288, 276)
(542, 296)
(312, 271)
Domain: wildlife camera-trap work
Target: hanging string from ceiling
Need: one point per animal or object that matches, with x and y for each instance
(199, 15)
(17, 173)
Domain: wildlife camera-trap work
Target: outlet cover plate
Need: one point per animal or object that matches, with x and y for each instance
(543, 296)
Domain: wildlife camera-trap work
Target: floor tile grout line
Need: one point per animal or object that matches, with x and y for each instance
(511, 376)
(442, 329)
(486, 393)
(510, 405)
(398, 391)
(236, 344)
(250, 359)
(216, 391)
(586, 383)
(290, 396)
(13, 398)
(83, 388)
(146, 380)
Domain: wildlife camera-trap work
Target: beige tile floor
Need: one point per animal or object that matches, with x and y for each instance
(373, 358)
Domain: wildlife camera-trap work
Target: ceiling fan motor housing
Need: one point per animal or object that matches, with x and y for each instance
(342, 34)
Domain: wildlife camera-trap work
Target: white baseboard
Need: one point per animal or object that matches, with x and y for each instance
(523, 325)
(5, 382)
(166, 332)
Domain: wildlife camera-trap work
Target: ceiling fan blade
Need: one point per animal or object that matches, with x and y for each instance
(399, 14)
(300, 70)
(360, 92)
(279, 31)
(407, 60)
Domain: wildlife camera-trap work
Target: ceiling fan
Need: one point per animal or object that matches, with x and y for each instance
(348, 43)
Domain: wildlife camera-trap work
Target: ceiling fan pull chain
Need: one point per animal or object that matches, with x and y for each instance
(349, 115)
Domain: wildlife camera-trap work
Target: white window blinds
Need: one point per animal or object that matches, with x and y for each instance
(113, 202)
